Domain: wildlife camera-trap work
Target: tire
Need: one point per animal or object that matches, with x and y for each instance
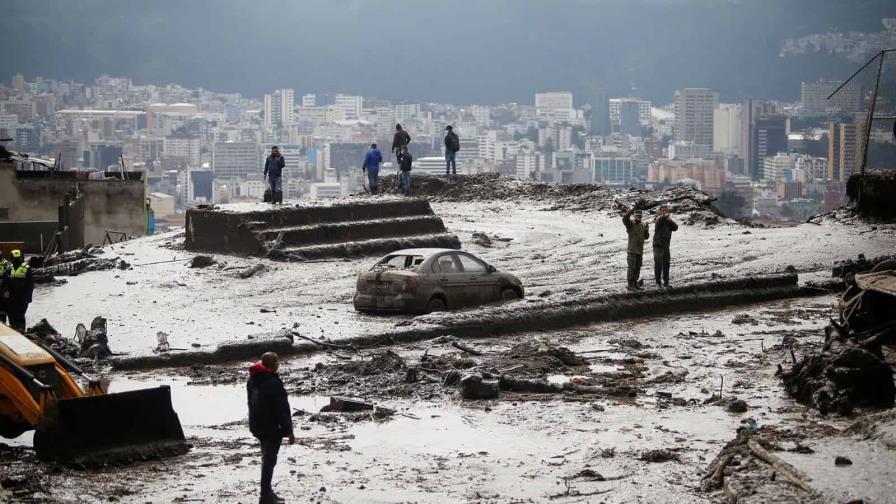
(435, 305)
(509, 295)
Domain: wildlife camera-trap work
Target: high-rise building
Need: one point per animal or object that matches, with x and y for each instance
(694, 108)
(844, 150)
(615, 106)
(630, 117)
(235, 159)
(764, 133)
(279, 108)
(183, 146)
(309, 100)
(814, 97)
(18, 82)
(405, 111)
(727, 124)
(348, 107)
(554, 105)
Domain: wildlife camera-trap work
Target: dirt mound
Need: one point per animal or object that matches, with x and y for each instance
(494, 187)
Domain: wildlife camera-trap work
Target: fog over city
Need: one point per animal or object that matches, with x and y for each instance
(465, 51)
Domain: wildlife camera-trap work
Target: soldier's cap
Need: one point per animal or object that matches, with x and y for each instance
(16, 253)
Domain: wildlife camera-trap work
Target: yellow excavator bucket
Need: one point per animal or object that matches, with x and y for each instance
(71, 427)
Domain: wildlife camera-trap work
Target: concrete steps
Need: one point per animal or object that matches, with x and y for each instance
(336, 228)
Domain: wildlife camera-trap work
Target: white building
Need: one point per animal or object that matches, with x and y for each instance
(432, 165)
(279, 108)
(183, 146)
(557, 106)
(319, 190)
(405, 111)
(234, 159)
(687, 150)
(348, 107)
(811, 167)
(775, 167)
(644, 107)
(252, 189)
(727, 127)
(694, 110)
(309, 100)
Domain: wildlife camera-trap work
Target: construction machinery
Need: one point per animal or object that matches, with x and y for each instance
(75, 426)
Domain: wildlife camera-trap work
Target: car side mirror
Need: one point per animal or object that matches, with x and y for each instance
(491, 269)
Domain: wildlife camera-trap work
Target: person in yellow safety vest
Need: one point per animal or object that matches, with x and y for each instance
(4, 265)
(18, 285)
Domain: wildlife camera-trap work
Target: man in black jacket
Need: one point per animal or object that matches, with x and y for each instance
(662, 237)
(399, 140)
(273, 171)
(270, 418)
(452, 145)
(405, 163)
(17, 288)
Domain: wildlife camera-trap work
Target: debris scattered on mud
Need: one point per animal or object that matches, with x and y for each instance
(659, 455)
(91, 344)
(852, 369)
(252, 271)
(201, 261)
(686, 200)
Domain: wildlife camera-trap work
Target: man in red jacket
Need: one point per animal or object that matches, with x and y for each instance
(270, 418)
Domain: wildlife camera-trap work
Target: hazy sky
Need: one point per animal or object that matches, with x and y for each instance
(464, 51)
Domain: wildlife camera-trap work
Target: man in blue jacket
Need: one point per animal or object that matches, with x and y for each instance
(273, 171)
(372, 166)
(270, 418)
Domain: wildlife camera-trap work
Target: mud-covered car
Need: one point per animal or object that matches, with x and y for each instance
(428, 280)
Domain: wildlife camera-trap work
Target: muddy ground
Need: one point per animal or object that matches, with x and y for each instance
(614, 412)
(642, 425)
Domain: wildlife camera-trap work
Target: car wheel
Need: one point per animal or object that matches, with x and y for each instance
(435, 305)
(509, 295)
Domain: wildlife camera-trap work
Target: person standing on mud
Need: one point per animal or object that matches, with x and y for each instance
(270, 418)
(372, 166)
(405, 162)
(452, 145)
(18, 287)
(662, 237)
(637, 234)
(273, 171)
(399, 140)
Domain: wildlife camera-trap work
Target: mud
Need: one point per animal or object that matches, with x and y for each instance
(508, 318)
(695, 204)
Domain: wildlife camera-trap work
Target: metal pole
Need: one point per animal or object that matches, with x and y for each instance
(867, 132)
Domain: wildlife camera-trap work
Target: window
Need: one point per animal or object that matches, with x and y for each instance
(408, 262)
(445, 264)
(471, 265)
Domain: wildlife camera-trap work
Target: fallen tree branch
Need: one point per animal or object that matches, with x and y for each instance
(793, 474)
(325, 344)
(460, 346)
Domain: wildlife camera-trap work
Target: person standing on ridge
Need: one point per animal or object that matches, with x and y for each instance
(637, 234)
(662, 237)
(452, 145)
(4, 266)
(18, 287)
(273, 171)
(399, 140)
(404, 175)
(372, 166)
(270, 418)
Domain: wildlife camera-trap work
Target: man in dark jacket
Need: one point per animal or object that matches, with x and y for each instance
(637, 234)
(372, 166)
(270, 418)
(662, 237)
(452, 145)
(4, 265)
(405, 162)
(18, 287)
(399, 140)
(273, 171)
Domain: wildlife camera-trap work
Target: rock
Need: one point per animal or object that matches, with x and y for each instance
(657, 456)
(346, 405)
(840, 461)
(482, 239)
(252, 271)
(473, 386)
(201, 261)
(737, 406)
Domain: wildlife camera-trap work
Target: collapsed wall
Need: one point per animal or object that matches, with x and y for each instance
(336, 228)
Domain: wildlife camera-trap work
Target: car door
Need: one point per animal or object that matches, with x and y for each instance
(481, 285)
(451, 279)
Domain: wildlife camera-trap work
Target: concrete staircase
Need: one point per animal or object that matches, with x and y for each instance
(337, 228)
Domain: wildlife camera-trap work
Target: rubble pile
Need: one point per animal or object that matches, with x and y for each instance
(852, 369)
(74, 263)
(688, 200)
(88, 344)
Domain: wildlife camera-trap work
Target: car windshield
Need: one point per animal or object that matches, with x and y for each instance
(400, 261)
